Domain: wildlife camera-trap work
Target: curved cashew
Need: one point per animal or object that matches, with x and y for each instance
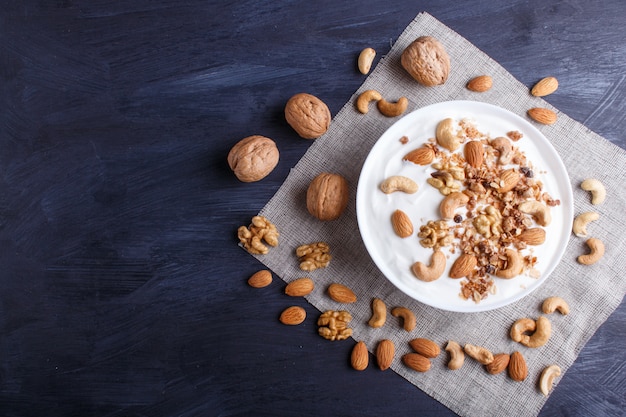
(520, 328)
(457, 357)
(514, 265)
(479, 353)
(551, 304)
(504, 148)
(451, 202)
(366, 57)
(379, 313)
(446, 136)
(408, 318)
(433, 271)
(541, 335)
(598, 192)
(398, 183)
(581, 221)
(597, 251)
(363, 101)
(546, 380)
(539, 211)
(392, 109)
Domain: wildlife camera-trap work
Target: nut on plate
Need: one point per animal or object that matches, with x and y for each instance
(420, 156)
(327, 196)
(427, 61)
(253, 158)
(401, 223)
(307, 115)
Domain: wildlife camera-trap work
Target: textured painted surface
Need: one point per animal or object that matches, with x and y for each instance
(122, 290)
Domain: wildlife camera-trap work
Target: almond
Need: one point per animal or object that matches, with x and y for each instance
(544, 87)
(260, 279)
(416, 362)
(292, 316)
(341, 293)
(385, 352)
(480, 84)
(474, 153)
(533, 236)
(499, 364)
(300, 287)
(508, 180)
(542, 115)
(518, 371)
(425, 347)
(359, 359)
(401, 224)
(463, 265)
(420, 156)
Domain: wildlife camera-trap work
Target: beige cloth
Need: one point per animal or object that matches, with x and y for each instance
(593, 292)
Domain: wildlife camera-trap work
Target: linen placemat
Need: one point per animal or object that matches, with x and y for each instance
(593, 292)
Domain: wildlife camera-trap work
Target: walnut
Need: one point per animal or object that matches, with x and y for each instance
(435, 234)
(427, 61)
(313, 256)
(307, 115)
(327, 196)
(252, 237)
(253, 158)
(334, 325)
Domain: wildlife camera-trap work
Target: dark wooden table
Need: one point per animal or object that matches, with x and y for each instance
(122, 288)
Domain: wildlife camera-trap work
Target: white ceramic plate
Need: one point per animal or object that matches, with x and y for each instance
(394, 256)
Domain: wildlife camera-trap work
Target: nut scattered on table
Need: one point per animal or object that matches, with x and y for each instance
(457, 356)
(365, 98)
(544, 87)
(598, 192)
(407, 316)
(341, 294)
(293, 316)
(582, 220)
(425, 347)
(327, 196)
(385, 351)
(359, 358)
(480, 84)
(542, 115)
(307, 115)
(518, 370)
(552, 304)
(300, 287)
(392, 109)
(427, 61)
(379, 313)
(333, 325)
(546, 380)
(366, 57)
(253, 158)
(500, 363)
(478, 353)
(313, 256)
(260, 279)
(416, 362)
(260, 230)
(596, 252)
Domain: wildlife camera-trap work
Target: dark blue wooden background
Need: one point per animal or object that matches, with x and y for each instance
(122, 289)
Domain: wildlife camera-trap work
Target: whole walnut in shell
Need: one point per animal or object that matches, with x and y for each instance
(327, 196)
(253, 158)
(427, 61)
(307, 115)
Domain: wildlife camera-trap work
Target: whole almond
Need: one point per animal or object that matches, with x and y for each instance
(463, 265)
(425, 347)
(416, 362)
(420, 156)
(292, 316)
(544, 87)
(385, 352)
(518, 371)
(401, 223)
(260, 279)
(473, 152)
(542, 115)
(300, 287)
(341, 294)
(480, 84)
(533, 236)
(499, 364)
(359, 359)
(508, 180)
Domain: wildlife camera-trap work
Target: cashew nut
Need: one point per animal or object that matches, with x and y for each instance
(446, 136)
(504, 148)
(597, 251)
(408, 318)
(451, 202)
(552, 304)
(433, 271)
(390, 109)
(514, 265)
(366, 57)
(379, 313)
(520, 328)
(581, 221)
(457, 357)
(364, 99)
(540, 212)
(479, 353)
(398, 183)
(540, 336)
(546, 380)
(598, 192)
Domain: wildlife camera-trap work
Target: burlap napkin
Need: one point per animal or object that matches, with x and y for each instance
(593, 292)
